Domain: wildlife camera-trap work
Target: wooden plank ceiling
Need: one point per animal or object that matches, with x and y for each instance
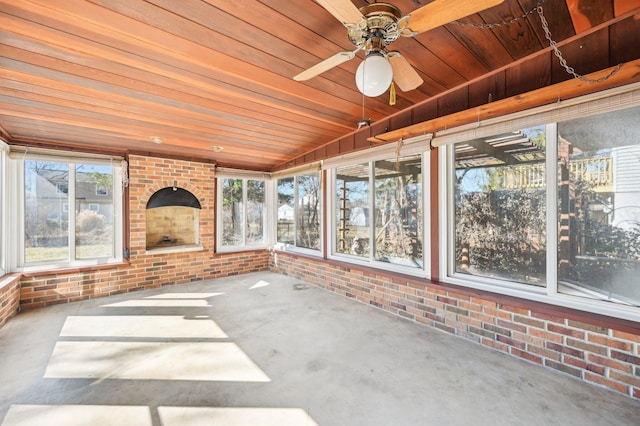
(110, 74)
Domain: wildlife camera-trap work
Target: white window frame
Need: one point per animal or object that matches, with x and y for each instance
(15, 166)
(303, 171)
(609, 101)
(266, 217)
(414, 146)
(4, 189)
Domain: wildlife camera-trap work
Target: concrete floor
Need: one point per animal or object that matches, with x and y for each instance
(265, 349)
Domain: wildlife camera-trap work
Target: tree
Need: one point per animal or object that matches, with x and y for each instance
(501, 233)
(308, 223)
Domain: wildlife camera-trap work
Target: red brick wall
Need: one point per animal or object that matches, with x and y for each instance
(603, 355)
(146, 176)
(607, 356)
(9, 297)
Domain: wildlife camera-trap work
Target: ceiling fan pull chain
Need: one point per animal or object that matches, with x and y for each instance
(392, 94)
(563, 61)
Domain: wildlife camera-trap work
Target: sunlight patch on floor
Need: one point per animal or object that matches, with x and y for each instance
(118, 415)
(221, 361)
(184, 295)
(259, 284)
(149, 326)
(159, 303)
(205, 416)
(77, 415)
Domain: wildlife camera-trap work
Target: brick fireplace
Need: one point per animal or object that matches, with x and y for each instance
(172, 205)
(173, 217)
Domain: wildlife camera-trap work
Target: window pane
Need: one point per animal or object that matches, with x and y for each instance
(398, 199)
(255, 211)
(352, 210)
(232, 212)
(286, 202)
(3, 221)
(308, 212)
(599, 207)
(500, 219)
(46, 220)
(94, 211)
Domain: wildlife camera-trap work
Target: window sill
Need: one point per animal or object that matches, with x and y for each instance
(287, 248)
(407, 269)
(73, 269)
(236, 249)
(522, 296)
(8, 279)
(175, 249)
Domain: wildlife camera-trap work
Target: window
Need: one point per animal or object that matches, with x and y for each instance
(500, 210)
(243, 215)
(353, 221)
(285, 233)
(599, 207)
(298, 223)
(378, 211)
(548, 212)
(255, 212)
(3, 205)
(46, 224)
(398, 211)
(60, 222)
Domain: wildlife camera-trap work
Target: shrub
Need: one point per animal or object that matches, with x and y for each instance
(88, 220)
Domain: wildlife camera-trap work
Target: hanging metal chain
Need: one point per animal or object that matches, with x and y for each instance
(563, 62)
(498, 24)
(547, 34)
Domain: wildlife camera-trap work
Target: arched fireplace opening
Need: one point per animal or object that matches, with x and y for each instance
(172, 219)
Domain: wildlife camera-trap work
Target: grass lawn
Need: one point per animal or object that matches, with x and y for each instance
(40, 254)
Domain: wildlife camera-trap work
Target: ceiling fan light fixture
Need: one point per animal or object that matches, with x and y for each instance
(374, 74)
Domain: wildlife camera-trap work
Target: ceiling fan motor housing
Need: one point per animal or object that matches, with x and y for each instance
(378, 28)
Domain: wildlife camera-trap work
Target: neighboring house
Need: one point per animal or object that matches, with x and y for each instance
(51, 196)
(285, 212)
(626, 175)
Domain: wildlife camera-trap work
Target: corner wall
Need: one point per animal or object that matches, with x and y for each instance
(9, 297)
(147, 175)
(572, 343)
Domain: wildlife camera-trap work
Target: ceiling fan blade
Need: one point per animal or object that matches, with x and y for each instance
(441, 12)
(327, 64)
(403, 73)
(343, 10)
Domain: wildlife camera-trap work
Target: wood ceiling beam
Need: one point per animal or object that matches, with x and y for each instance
(628, 73)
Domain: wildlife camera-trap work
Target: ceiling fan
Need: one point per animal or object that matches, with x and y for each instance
(375, 26)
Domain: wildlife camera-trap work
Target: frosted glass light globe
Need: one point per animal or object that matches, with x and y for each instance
(374, 75)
